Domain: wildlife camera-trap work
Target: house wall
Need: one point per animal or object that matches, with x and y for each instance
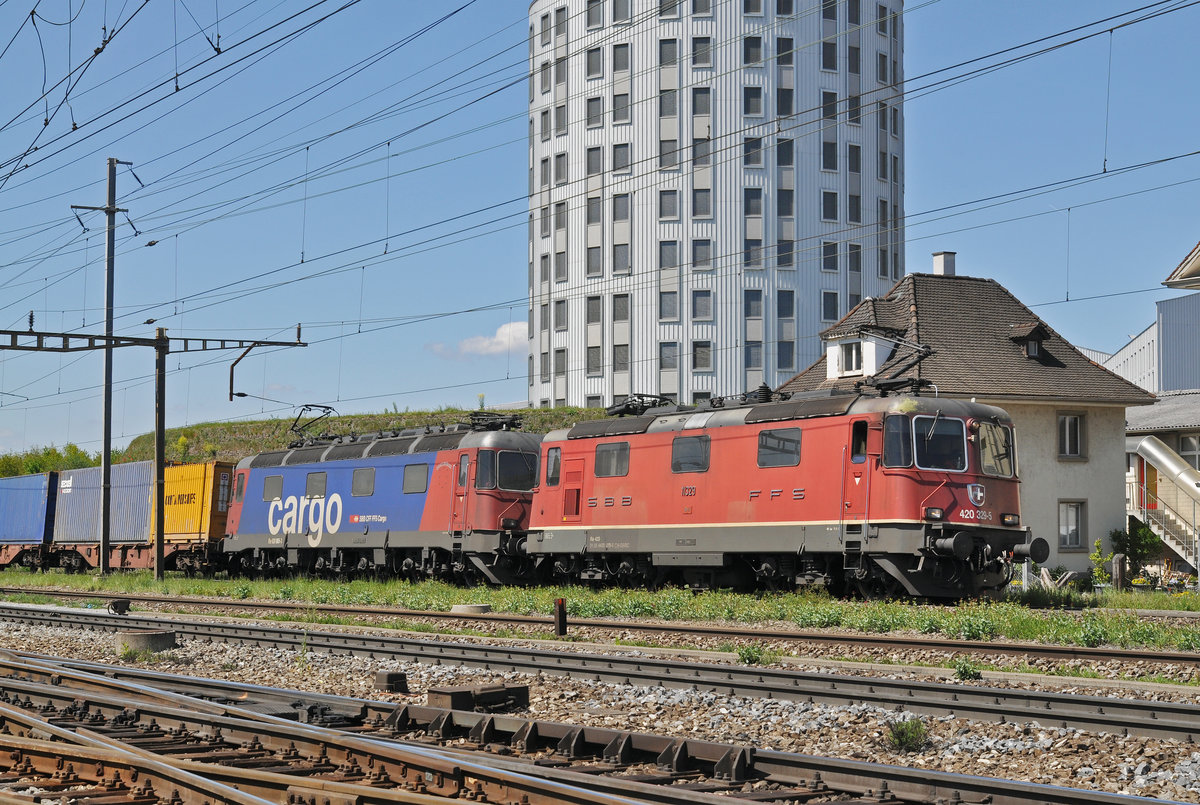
(1098, 479)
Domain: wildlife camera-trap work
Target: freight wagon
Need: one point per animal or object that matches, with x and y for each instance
(53, 520)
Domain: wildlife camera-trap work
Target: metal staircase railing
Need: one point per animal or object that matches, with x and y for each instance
(1171, 509)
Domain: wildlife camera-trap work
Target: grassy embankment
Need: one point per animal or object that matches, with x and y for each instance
(969, 621)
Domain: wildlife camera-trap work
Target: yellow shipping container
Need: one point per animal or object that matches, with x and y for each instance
(196, 502)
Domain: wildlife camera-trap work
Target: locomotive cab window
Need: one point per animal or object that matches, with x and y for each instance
(273, 487)
(314, 485)
(363, 483)
(485, 470)
(553, 465)
(463, 463)
(240, 489)
(518, 472)
(416, 478)
(995, 450)
(779, 447)
(690, 454)
(941, 444)
(897, 441)
(612, 459)
(858, 442)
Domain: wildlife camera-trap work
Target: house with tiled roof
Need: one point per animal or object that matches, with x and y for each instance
(969, 337)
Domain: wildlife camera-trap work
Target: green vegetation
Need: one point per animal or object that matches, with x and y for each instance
(965, 669)
(1138, 545)
(231, 441)
(46, 459)
(907, 735)
(982, 621)
(144, 655)
(756, 654)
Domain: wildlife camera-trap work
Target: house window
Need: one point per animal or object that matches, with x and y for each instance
(854, 158)
(702, 254)
(829, 256)
(668, 52)
(752, 304)
(560, 314)
(621, 157)
(829, 55)
(701, 6)
(668, 153)
(753, 201)
(595, 210)
(668, 103)
(829, 156)
(1071, 436)
(701, 152)
(668, 203)
(668, 254)
(754, 354)
(595, 63)
(752, 254)
(668, 305)
(783, 153)
(829, 205)
(701, 101)
(829, 306)
(595, 361)
(1189, 449)
(701, 203)
(621, 11)
(620, 357)
(594, 307)
(668, 355)
(829, 105)
(595, 112)
(785, 252)
(1071, 524)
(702, 356)
(595, 161)
(620, 112)
(702, 309)
(784, 47)
(595, 261)
(752, 50)
(620, 58)
(752, 100)
(702, 51)
(852, 358)
(621, 207)
(595, 13)
(621, 307)
(621, 264)
(560, 362)
(752, 152)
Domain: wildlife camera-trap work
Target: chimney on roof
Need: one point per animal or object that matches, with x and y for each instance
(943, 263)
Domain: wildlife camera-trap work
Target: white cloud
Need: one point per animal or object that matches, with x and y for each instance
(508, 337)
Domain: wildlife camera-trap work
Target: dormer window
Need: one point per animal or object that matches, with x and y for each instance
(1030, 337)
(851, 358)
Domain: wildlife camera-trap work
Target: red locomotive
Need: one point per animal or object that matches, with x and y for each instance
(880, 495)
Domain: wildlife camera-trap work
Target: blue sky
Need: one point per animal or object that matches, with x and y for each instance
(359, 168)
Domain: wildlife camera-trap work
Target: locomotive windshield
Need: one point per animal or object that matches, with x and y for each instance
(515, 472)
(995, 449)
(941, 443)
(897, 441)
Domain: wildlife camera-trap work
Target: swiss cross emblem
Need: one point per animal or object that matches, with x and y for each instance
(976, 492)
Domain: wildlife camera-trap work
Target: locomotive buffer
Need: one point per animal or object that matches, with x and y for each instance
(33, 341)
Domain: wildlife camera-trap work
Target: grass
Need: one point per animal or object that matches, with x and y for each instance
(907, 735)
(965, 669)
(756, 654)
(979, 621)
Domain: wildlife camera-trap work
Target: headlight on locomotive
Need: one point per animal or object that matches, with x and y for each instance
(934, 513)
(1010, 519)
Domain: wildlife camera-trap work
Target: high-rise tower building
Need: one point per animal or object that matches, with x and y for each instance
(711, 184)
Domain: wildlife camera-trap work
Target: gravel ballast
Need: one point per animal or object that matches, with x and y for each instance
(1024, 751)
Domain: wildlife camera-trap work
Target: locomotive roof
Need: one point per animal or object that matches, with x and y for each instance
(403, 443)
(801, 407)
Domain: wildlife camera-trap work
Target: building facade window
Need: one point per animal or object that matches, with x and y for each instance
(829, 205)
(829, 305)
(829, 256)
(702, 257)
(668, 305)
(595, 112)
(701, 101)
(752, 152)
(621, 107)
(595, 63)
(784, 51)
(621, 157)
(702, 51)
(1071, 522)
(668, 204)
(668, 254)
(702, 356)
(702, 305)
(1189, 449)
(752, 50)
(668, 355)
(1071, 436)
(620, 58)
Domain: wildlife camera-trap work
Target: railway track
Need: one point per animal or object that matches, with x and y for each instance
(110, 734)
(889, 642)
(1169, 720)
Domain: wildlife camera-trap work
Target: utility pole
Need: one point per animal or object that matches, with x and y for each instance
(32, 341)
(110, 262)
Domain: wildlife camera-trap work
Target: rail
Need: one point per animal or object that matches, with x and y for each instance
(394, 753)
(1121, 716)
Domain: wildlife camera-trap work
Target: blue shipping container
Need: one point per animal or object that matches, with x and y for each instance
(77, 509)
(26, 509)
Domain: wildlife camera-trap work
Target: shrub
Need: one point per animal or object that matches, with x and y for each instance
(1094, 631)
(965, 670)
(1138, 545)
(907, 735)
